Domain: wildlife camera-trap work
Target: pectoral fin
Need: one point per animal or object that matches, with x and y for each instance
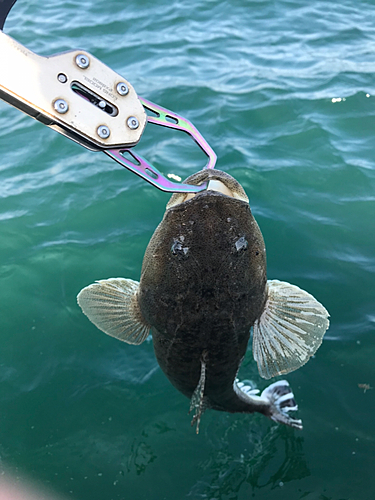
(289, 331)
(113, 307)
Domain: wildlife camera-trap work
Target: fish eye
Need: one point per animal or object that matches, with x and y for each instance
(178, 248)
(241, 244)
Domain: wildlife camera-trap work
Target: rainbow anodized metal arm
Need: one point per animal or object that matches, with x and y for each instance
(144, 169)
(168, 118)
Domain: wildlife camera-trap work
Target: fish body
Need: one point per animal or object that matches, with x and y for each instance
(203, 286)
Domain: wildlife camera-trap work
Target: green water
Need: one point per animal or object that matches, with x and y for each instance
(284, 92)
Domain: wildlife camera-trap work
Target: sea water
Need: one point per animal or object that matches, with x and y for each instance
(284, 92)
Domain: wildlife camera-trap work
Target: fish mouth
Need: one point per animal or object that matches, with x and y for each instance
(218, 181)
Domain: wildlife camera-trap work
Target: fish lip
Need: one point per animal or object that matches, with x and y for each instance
(209, 193)
(207, 175)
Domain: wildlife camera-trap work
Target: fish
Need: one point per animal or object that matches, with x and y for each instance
(203, 288)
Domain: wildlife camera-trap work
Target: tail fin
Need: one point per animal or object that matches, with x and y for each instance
(281, 400)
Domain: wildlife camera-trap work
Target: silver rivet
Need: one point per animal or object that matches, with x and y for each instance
(103, 131)
(122, 88)
(62, 78)
(132, 122)
(82, 61)
(102, 104)
(61, 106)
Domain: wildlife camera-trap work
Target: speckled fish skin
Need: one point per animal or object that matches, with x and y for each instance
(203, 285)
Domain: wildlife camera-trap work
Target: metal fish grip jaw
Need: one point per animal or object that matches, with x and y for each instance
(80, 97)
(140, 166)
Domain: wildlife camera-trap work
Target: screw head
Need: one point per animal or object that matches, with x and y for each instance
(132, 122)
(82, 61)
(62, 78)
(103, 131)
(61, 106)
(122, 88)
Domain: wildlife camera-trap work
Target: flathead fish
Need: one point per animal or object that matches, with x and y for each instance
(203, 286)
